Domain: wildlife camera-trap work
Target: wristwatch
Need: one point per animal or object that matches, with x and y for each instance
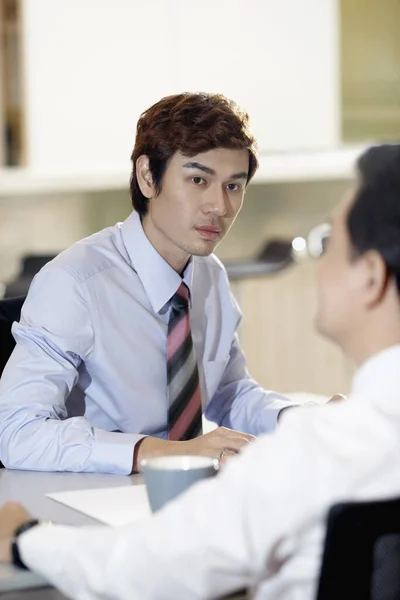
(16, 557)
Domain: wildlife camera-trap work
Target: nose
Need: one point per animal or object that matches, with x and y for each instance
(215, 202)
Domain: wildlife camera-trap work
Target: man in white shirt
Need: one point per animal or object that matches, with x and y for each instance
(260, 522)
(108, 368)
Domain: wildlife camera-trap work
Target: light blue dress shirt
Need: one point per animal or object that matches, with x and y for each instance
(87, 378)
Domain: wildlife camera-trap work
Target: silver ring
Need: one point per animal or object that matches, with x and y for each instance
(221, 455)
(226, 450)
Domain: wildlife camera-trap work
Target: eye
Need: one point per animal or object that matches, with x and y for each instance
(198, 180)
(233, 187)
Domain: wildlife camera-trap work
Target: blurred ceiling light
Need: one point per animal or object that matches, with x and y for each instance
(299, 244)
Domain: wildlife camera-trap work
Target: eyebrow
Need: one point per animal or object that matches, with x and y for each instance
(209, 171)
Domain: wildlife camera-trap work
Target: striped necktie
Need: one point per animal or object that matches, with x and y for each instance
(184, 412)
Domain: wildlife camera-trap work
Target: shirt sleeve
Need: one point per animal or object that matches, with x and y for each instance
(224, 534)
(240, 403)
(53, 337)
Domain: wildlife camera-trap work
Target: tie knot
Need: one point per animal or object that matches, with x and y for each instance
(181, 297)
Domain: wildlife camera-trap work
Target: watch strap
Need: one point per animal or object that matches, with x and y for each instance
(16, 557)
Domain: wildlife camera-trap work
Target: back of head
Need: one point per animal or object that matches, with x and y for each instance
(374, 218)
(190, 123)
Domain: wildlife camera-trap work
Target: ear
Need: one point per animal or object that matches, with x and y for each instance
(375, 278)
(143, 175)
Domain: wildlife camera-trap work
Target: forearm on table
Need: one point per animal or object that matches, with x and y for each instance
(77, 560)
(49, 444)
(245, 406)
(240, 403)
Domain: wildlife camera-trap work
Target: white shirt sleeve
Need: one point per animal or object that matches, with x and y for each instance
(214, 539)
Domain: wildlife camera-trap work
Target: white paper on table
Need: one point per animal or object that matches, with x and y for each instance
(112, 506)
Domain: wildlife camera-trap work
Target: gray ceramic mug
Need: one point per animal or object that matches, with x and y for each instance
(168, 476)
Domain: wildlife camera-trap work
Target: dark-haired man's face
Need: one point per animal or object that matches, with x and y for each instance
(200, 198)
(339, 281)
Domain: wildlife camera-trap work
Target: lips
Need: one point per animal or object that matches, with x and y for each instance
(209, 232)
(211, 228)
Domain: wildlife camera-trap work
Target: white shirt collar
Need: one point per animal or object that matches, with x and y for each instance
(379, 377)
(158, 278)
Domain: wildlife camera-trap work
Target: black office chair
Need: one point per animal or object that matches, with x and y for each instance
(361, 559)
(10, 311)
(30, 265)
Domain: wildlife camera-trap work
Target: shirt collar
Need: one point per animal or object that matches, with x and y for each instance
(159, 279)
(379, 377)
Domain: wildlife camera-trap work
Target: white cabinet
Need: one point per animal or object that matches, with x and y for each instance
(277, 58)
(91, 67)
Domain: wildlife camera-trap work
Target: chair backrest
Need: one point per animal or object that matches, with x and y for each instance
(10, 311)
(361, 556)
(30, 265)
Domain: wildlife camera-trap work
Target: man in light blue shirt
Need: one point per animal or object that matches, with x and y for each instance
(86, 388)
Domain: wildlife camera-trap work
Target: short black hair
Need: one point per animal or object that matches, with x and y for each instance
(373, 220)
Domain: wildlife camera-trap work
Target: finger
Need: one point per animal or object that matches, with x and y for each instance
(231, 433)
(227, 456)
(337, 397)
(233, 444)
(229, 450)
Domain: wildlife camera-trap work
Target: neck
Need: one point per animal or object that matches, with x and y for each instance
(371, 340)
(174, 256)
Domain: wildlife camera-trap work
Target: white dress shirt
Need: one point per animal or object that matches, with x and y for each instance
(90, 357)
(258, 524)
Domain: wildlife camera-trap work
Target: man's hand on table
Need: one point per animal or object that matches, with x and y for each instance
(12, 516)
(220, 443)
(335, 398)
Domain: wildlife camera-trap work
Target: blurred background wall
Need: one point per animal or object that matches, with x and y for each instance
(319, 78)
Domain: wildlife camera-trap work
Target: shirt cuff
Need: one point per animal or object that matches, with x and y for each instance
(113, 452)
(37, 545)
(268, 420)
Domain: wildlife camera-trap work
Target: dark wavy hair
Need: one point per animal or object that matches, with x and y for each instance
(373, 221)
(190, 123)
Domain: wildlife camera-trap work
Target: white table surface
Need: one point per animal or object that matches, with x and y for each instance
(30, 489)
